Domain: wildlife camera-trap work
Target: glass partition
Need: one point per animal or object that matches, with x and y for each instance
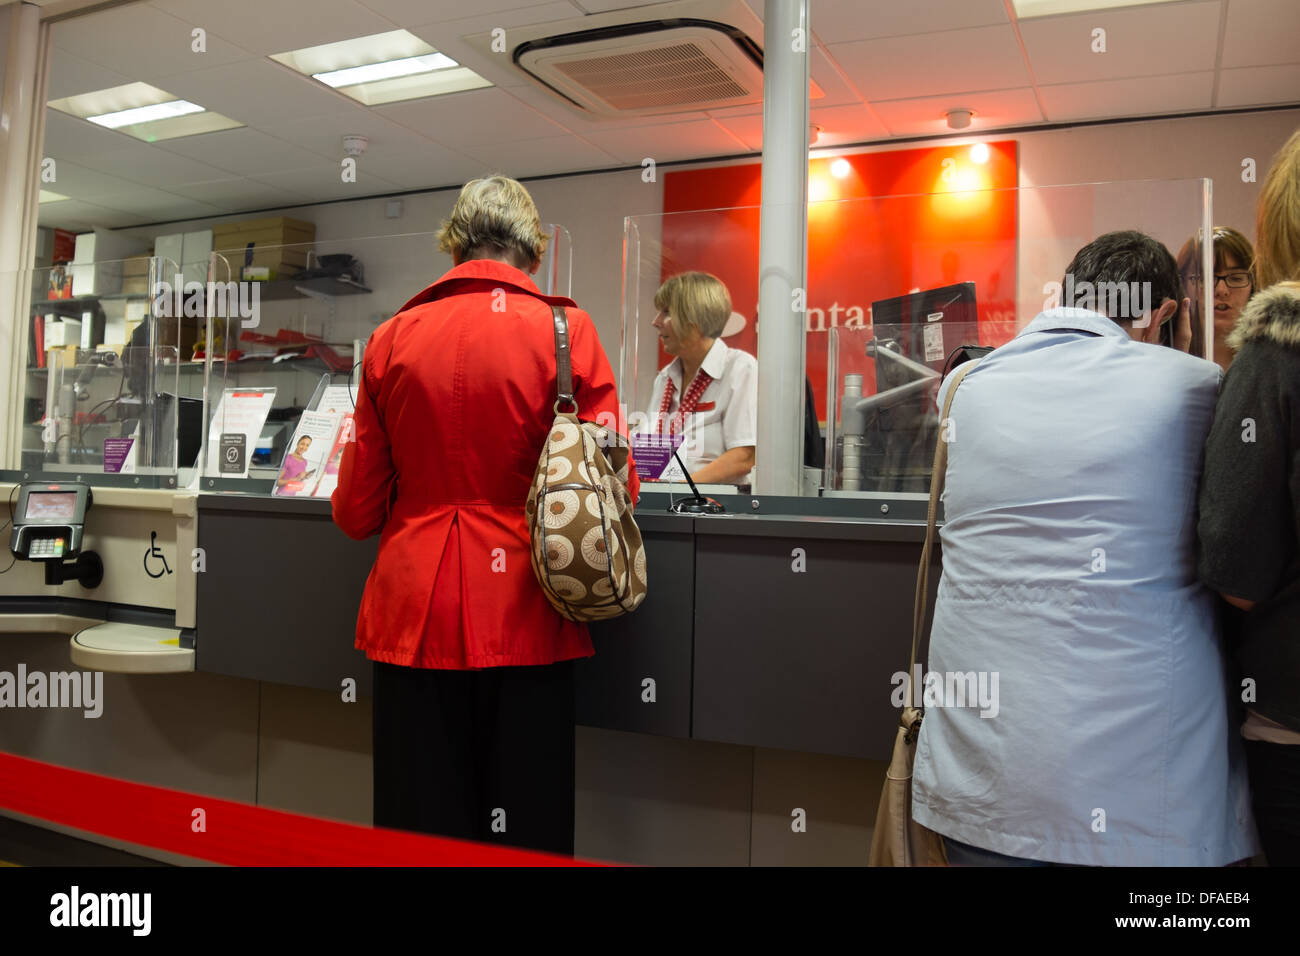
(103, 389)
(896, 284)
(277, 351)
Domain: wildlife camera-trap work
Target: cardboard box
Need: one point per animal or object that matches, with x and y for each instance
(262, 243)
(61, 332)
(97, 265)
(136, 266)
(135, 285)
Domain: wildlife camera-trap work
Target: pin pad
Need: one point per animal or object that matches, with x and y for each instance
(49, 519)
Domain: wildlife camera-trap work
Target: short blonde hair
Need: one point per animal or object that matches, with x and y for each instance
(696, 299)
(1277, 220)
(491, 216)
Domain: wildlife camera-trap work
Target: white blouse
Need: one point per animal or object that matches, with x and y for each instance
(726, 415)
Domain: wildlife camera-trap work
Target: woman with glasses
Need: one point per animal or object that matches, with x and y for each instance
(1234, 284)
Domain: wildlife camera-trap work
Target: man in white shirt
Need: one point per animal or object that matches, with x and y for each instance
(708, 393)
(1069, 585)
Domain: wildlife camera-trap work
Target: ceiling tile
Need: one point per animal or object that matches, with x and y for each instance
(81, 182)
(408, 12)
(847, 124)
(1146, 41)
(248, 152)
(840, 21)
(474, 118)
(229, 194)
(448, 35)
(1261, 32)
(605, 6)
(826, 74)
(926, 115)
(321, 185)
(1153, 95)
(858, 124)
(675, 141)
(394, 153)
(266, 28)
(141, 42)
(1259, 86)
(542, 157)
(83, 216)
(983, 58)
(72, 138)
(70, 75)
(258, 92)
(153, 165)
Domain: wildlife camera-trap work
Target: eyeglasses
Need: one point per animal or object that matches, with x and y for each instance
(1233, 280)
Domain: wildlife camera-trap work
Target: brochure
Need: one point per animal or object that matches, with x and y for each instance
(654, 459)
(305, 460)
(329, 479)
(240, 411)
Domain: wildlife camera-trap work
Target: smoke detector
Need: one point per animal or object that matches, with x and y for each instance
(355, 145)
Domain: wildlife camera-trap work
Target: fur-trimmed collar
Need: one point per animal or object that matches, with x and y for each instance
(1273, 314)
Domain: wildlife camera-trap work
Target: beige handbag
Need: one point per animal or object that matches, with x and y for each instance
(587, 551)
(899, 840)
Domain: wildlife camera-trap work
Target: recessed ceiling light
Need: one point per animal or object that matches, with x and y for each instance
(146, 114)
(143, 111)
(1027, 9)
(383, 68)
(391, 69)
(47, 196)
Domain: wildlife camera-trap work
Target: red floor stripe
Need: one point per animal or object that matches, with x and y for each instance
(236, 834)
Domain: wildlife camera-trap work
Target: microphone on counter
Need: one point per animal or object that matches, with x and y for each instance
(697, 504)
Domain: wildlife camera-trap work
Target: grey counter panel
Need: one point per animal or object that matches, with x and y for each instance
(653, 642)
(801, 660)
(278, 601)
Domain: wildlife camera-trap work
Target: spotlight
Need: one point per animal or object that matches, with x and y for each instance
(980, 153)
(840, 168)
(958, 119)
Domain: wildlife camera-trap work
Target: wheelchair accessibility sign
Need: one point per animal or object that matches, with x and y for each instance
(155, 562)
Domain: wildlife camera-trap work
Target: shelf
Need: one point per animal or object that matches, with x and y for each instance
(324, 287)
(82, 303)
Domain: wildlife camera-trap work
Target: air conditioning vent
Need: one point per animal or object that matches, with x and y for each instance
(647, 68)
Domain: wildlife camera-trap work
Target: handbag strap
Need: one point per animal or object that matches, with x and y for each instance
(937, 478)
(563, 361)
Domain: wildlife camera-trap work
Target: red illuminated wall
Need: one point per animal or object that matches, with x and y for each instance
(949, 219)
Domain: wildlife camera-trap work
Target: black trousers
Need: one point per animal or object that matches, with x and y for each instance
(1275, 791)
(483, 755)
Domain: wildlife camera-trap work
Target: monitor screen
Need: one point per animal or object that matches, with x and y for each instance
(52, 505)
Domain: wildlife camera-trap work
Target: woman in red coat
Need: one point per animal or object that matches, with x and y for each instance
(473, 687)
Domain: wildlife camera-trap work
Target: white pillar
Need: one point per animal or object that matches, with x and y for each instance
(783, 248)
(22, 131)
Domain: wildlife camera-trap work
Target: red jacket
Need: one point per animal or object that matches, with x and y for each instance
(455, 400)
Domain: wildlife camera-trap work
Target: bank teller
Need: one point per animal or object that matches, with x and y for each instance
(717, 411)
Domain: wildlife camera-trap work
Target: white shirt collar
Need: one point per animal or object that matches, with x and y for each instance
(714, 364)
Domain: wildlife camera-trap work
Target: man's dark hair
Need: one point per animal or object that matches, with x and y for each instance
(1137, 267)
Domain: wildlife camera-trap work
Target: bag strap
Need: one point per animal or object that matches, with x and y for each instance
(937, 478)
(563, 361)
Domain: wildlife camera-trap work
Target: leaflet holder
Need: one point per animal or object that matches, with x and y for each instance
(48, 525)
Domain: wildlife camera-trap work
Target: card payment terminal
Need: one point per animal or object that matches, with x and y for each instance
(48, 522)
